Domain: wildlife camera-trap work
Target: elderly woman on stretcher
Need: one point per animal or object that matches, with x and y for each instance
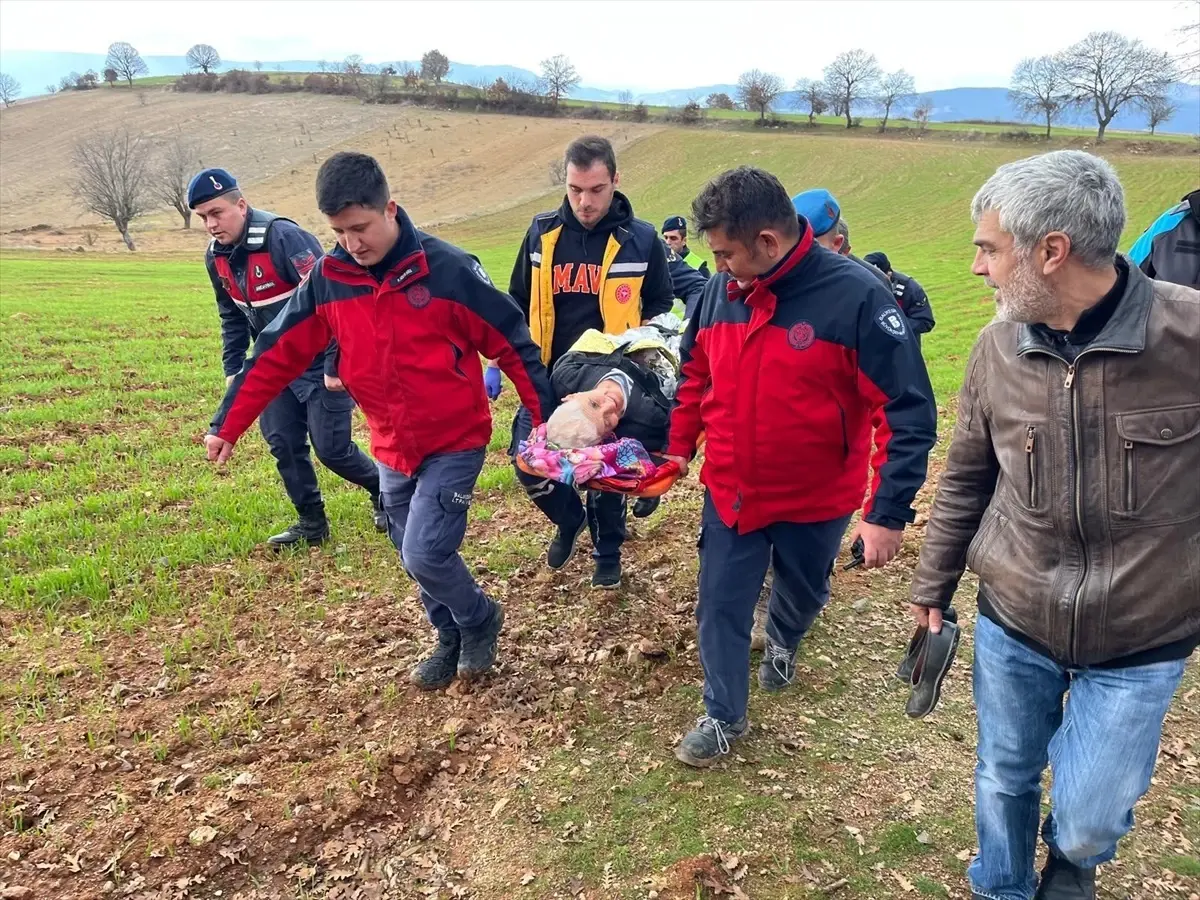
(616, 395)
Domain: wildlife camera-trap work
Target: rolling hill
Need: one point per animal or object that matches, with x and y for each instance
(36, 70)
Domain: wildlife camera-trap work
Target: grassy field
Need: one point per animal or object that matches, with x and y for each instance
(871, 123)
(826, 122)
(182, 712)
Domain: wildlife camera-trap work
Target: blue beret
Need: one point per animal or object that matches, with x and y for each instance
(674, 223)
(819, 207)
(208, 184)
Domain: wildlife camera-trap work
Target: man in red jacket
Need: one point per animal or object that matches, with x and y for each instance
(411, 315)
(793, 355)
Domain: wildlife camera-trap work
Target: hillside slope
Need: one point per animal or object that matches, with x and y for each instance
(443, 166)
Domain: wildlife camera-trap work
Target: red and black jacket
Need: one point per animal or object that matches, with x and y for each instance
(785, 379)
(409, 350)
(253, 280)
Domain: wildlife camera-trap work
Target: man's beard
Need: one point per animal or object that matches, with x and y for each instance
(1027, 298)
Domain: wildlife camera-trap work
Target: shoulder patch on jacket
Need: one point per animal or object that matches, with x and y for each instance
(477, 267)
(304, 262)
(890, 320)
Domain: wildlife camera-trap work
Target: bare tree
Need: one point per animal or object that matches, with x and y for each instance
(204, 57)
(380, 81)
(1158, 110)
(896, 89)
(1039, 88)
(258, 65)
(1106, 71)
(68, 81)
(718, 100)
(410, 76)
(323, 66)
(87, 80)
(559, 78)
(810, 95)
(758, 90)
(111, 177)
(124, 59)
(179, 160)
(849, 79)
(10, 89)
(922, 111)
(625, 98)
(352, 71)
(435, 66)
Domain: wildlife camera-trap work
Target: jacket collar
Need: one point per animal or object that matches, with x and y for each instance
(760, 287)
(410, 267)
(619, 215)
(1125, 331)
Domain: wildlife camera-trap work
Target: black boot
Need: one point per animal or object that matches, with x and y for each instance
(1063, 880)
(378, 516)
(313, 528)
(439, 668)
(479, 644)
(645, 506)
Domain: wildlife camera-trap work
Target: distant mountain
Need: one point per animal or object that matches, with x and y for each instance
(35, 70)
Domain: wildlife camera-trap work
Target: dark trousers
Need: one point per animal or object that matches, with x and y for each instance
(732, 569)
(427, 520)
(288, 423)
(561, 504)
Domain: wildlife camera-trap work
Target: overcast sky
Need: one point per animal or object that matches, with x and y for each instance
(643, 45)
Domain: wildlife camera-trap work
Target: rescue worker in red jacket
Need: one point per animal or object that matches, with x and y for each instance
(411, 315)
(793, 354)
(255, 261)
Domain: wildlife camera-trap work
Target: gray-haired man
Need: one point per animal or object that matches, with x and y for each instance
(1070, 489)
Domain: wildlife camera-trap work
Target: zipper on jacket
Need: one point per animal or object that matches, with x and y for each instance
(1031, 465)
(1077, 482)
(1069, 384)
(1130, 491)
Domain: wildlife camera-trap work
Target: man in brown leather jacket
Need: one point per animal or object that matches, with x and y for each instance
(1071, 490)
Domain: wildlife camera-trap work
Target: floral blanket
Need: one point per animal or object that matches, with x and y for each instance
(616, 457)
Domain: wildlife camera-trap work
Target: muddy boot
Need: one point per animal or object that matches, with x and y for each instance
(778, 667)
(607, 576)
(479, 644)
(439, 668)
(313, 528)
(709, 741)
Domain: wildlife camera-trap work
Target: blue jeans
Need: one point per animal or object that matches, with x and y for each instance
(427, 520)
(732, 569)
(1101, 745)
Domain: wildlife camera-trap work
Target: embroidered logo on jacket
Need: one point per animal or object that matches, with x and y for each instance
(624, 292)
(304, 262)
(891, 320)
(418, 296)
(801, 336)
